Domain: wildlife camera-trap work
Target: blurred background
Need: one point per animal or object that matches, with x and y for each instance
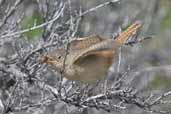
(149, 60)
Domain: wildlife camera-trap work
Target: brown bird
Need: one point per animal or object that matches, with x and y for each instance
(89, 58)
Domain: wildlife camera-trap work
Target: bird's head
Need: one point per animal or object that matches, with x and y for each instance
(55, 58)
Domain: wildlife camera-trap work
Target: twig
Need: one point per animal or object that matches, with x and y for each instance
(158, 100)
(10, 12)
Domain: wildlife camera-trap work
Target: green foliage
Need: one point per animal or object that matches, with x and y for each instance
(166, 22)
(28, 22)
(161, 81)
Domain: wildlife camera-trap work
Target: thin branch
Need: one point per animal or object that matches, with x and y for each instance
(10, 12)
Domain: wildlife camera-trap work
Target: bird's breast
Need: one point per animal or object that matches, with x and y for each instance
(90, 69)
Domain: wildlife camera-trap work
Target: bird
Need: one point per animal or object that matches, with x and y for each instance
(87, 59)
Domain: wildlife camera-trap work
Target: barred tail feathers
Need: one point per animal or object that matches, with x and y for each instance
(124, 36)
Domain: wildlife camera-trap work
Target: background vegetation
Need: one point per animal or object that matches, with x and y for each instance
(140, 84)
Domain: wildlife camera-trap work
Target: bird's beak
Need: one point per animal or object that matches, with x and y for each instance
(47, 60)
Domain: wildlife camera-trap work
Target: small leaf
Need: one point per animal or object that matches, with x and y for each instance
(29, 22)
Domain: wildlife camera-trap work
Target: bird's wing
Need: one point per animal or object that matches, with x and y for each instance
(93, 56)
(85, 42)
(102, 47)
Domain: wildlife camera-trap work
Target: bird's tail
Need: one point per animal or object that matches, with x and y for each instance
(130, 31)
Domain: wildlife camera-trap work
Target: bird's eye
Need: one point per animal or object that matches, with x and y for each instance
(59, 57)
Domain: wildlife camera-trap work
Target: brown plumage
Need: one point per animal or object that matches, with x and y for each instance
(89, 58)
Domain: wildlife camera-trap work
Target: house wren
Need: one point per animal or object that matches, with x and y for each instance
(89, 58)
